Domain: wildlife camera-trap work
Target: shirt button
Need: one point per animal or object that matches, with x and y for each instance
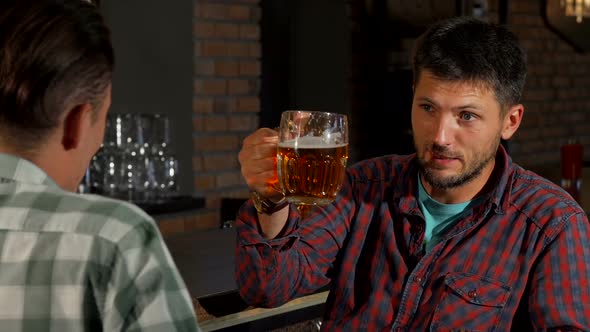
(472, 293)
(418, 279)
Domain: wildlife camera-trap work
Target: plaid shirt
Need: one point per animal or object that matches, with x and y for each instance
(520, 260)
(72, 262)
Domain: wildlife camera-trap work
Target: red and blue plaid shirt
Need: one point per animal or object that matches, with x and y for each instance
(520, 260)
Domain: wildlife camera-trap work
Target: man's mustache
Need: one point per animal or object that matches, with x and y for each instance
(444, 152)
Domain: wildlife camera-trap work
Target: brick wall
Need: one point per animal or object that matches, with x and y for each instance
(225, 105)
(557, 97)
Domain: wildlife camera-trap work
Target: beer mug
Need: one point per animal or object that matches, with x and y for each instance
(312, 156)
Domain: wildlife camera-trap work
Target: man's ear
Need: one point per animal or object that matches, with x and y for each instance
(74, 125)
(512, 121)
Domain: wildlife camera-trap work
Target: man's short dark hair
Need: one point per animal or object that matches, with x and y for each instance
(54, 55)
(467, 49)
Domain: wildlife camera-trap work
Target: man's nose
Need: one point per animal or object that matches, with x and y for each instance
(444, 131)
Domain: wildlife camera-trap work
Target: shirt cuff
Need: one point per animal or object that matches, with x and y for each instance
(249, 230)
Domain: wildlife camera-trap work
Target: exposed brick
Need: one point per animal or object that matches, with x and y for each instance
(238, 49)
(561, 81)
(255, 14)
(541, 69)
(238, 12)
(218, 162)
(198, 49)
(197, 164)
(237, 193)
(565, 47)
(215, 48)
(250, 31)
(544, 82)
(565, 94)
(215, 124)
(250, 68)
(228, 179)
(248, 104)
(255, 50)
(216, 143)
(528, 19)
(210, 87)
(202, 105)
(524, 7)
(237, 86)
(529, 32)
(538, 95)
(531, 45)
(552, 131)
(204, 29)
(243, 123)
(212, 11)
(560, 58)
(582, 128)
(198, 124)
(204, 182)
(204, 68)
(254, 86)
(227, 30)
(224, 105)
(226, 68)
(550, 45)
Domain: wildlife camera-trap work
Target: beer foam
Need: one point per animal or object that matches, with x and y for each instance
(310, 142)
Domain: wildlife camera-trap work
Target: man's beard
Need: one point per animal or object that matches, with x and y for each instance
(472, 171)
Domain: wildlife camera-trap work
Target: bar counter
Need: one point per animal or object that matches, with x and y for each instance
(205, 260)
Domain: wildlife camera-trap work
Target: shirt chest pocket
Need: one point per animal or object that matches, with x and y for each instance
(470, 303)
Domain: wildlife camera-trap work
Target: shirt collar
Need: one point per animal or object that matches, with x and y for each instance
(13, 168)
(502, 177)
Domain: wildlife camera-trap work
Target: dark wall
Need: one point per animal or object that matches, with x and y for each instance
(153, 44)
(306, 57)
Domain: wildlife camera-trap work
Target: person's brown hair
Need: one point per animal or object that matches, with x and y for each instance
(467, 49)
(54, 55)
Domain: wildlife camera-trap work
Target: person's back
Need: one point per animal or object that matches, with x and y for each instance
(70, 262)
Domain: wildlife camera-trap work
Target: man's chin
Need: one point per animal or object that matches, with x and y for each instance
(442, 179)
(439, 171)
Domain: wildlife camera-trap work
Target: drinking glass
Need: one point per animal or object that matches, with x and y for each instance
(312, 156)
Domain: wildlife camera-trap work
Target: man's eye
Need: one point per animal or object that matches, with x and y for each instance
(426, 107)
(466, 116)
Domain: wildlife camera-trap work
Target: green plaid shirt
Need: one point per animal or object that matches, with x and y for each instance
(71, 262)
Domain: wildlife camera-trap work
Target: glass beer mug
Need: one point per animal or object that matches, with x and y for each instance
(312, 156)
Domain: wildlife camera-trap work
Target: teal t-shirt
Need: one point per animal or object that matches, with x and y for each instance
(439, 216)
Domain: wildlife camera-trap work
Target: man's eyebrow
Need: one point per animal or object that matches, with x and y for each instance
(426, 99)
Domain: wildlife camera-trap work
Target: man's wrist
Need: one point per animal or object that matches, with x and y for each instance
(265, 205)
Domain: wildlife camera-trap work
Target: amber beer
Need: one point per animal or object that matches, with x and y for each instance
(311, 172)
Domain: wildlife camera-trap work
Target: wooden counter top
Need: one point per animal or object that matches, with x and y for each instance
(206, 263)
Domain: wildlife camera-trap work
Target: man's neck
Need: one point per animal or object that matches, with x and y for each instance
(49, 159)
(463, 193)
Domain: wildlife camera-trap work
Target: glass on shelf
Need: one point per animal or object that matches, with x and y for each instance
(136, 161)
